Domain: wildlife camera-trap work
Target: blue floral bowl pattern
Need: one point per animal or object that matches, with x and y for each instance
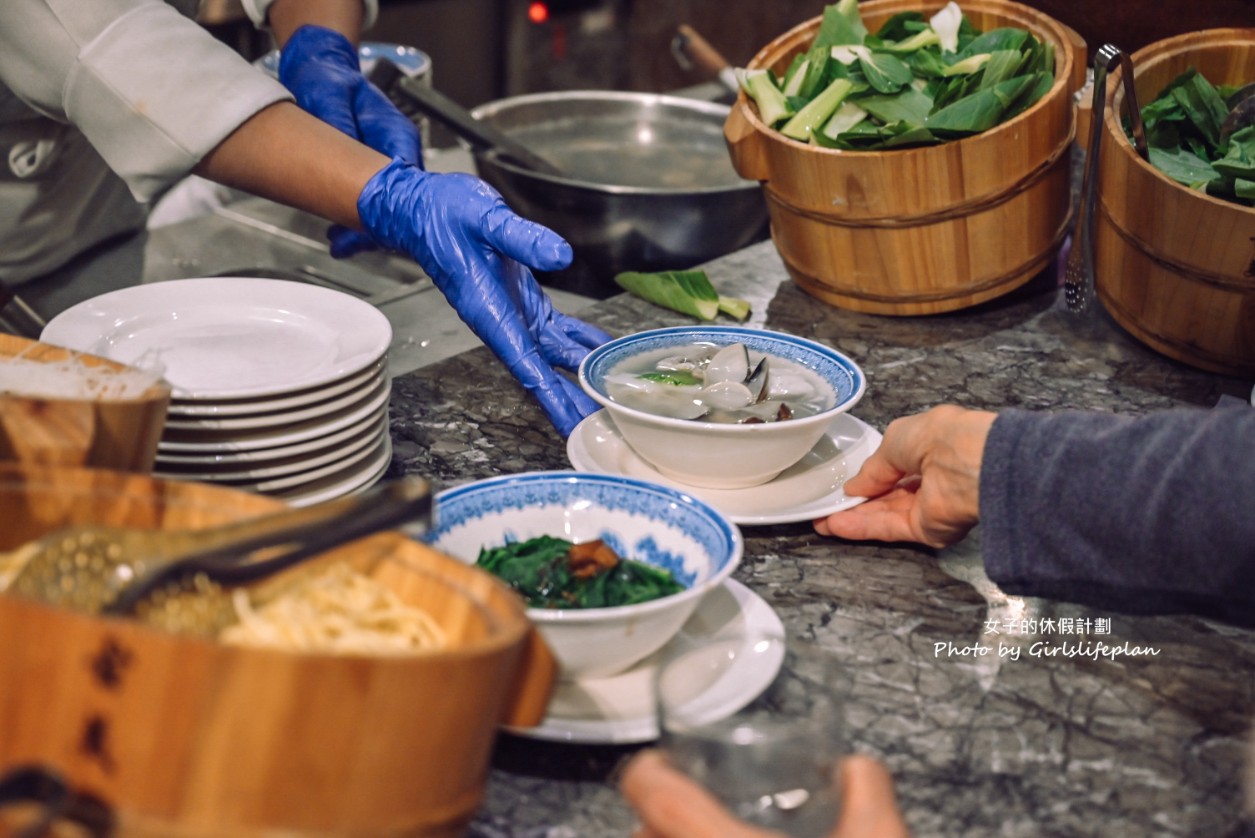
(842, 374)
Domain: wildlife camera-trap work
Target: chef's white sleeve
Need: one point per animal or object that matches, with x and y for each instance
(258, 9)
(151, 90)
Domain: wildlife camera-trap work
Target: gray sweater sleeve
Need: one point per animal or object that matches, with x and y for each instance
(1146, 515)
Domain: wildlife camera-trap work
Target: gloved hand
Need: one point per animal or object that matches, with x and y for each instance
(478, 252)
(322, 70)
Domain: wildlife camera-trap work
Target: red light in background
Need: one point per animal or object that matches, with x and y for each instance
(538, 12)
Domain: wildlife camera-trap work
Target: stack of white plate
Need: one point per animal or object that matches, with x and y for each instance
(279, 387)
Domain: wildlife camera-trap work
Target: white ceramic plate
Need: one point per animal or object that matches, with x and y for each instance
(229, 337)
(237, 407)
(253, 421)
(265, 456)
(805, 491)
(348, 482)
(348, 462)
(199, 442)
(620, 710)
(240, 472)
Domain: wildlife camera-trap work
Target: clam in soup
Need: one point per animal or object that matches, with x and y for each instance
(709, 383)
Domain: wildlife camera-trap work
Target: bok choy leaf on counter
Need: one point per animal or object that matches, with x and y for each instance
(688, 292)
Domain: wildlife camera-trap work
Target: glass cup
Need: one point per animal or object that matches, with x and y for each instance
(757, 722)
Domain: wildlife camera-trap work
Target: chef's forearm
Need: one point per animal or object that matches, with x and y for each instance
(344, 16)
(286, 155)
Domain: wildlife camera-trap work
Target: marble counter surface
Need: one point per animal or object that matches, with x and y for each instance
(1140, 745)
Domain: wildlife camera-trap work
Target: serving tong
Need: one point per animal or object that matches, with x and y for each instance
(1078, 277)
(55, 801)
(176, 579)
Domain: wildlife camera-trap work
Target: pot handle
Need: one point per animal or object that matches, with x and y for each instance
(534, 680)
(745, 143)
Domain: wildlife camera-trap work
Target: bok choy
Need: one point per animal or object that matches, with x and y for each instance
(688, 292)
(916, 81)
(1185, 139)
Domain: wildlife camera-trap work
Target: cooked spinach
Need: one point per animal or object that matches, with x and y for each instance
(917, 81)
(551, 572)
(1184, 137)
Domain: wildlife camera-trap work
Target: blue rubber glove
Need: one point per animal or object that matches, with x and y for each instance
(321, 69)
(478, 252)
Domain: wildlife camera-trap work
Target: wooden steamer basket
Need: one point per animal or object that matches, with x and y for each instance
(925, 230)
(185, 737)
(1173, 266)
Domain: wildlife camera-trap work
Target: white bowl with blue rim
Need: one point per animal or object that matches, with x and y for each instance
(640, 520)
(713, 454)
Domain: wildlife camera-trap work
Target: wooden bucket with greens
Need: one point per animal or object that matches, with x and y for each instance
(1174, 239)
(916, 157)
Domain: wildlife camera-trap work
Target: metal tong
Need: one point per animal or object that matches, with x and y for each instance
(1078, 277)
(55, 800)
(293, 537)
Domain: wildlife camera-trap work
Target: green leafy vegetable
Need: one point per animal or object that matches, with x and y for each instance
(688, 292)
(678, 378)
(841, 24)
(1184, 141)
(551, 572)
(914, 82)
(817, 110)
(772, 104)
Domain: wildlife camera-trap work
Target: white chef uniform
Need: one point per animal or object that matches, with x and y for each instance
(104, 104)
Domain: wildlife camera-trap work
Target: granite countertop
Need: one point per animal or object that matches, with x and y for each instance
(1145, 744)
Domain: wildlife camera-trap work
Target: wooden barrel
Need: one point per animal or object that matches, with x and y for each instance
(183, 737)
(1173, 266)
(94, 430)
(923, 230)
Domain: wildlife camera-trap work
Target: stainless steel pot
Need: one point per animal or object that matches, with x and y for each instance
(647, 182)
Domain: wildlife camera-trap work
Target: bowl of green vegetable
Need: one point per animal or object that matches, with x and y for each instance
(1173, 257)
(610, 567)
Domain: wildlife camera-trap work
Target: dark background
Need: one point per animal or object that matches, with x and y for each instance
(739, 28)
(488, 49)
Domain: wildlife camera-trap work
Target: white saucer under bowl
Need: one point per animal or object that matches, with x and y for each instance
(807, 490)
(619, 709)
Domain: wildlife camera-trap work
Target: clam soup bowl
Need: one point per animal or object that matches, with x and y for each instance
(716, 454)
(640, 520)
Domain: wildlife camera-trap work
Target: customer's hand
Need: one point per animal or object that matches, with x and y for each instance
(321, 69)
(922, 484)
(479, 253)
(670, 805)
